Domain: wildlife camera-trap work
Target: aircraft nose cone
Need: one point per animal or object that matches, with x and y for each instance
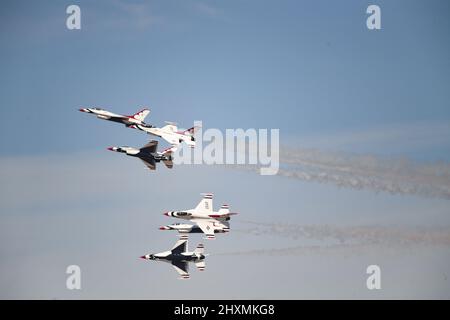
(110, 148)
(82, 110)
(143, 257)
(166, 213)
(163, 228)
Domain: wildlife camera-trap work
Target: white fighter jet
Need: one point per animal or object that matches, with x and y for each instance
(207, 220)
(148, 154)
(180, 257)
(170, 133)
(129, 121)
(184, 228)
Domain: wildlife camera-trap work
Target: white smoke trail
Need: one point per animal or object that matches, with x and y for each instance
(396, 176)
(368, 234)
(298, 250)
(368, 172)
(345, 240)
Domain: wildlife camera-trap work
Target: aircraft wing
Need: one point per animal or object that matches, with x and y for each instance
(150, 147)
(171, 127)
(207, 226)
(170, 138)
(112, 117)
(180, 246)
(182, 268)
(149, 162)
(142, 127)
(115, 116)
(120, 119)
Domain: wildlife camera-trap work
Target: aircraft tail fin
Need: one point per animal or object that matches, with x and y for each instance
(141, 114)
(205, 205)
(223, 213)
(169, 151)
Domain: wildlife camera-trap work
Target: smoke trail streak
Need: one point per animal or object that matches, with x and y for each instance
(346, 240)
(295, 250)
(396, 176)
(368, 172)
(369, 234)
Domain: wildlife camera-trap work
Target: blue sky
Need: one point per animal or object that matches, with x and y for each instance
(310, 68)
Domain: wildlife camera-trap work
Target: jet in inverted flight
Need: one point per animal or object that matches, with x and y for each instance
(179, 256)
(171, 134)
(184, 228)
(148, 154)
(129, 121)
(207, 220)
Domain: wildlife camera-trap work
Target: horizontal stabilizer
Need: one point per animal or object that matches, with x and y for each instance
(168, 163)
(224, 209)
(200, 249)
(169, 151)
(201, 265)
(168, 154)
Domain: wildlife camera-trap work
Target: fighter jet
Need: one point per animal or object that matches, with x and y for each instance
(148, 154)
(207, 220)
(180, 257)
(170, 133)
(183, 228)
(129, 121)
